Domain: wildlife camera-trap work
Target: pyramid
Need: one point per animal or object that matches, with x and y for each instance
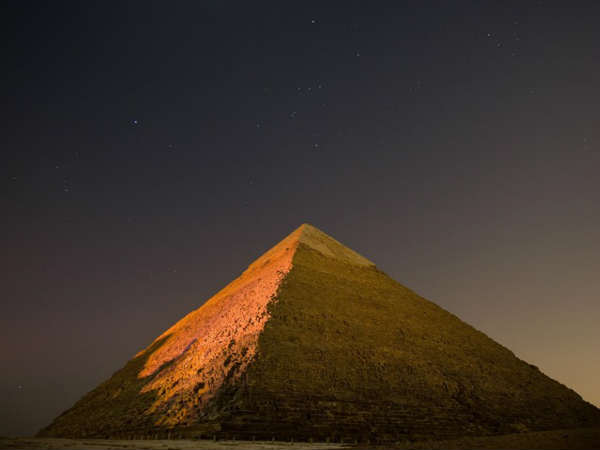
(313, 341)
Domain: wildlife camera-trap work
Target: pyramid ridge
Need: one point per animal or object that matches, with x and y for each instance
(310, 236)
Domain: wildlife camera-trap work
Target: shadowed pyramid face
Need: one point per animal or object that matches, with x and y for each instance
(313, 341)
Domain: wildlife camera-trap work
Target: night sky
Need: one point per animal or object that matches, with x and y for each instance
(152, 150)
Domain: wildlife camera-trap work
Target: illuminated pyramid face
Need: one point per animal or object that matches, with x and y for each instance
(312, 341)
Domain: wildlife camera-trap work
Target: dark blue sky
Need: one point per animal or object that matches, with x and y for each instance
(152, 150)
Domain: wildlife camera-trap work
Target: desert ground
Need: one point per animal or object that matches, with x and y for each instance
(582, 438)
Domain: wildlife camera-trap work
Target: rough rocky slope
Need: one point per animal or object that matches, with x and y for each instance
(312, 341)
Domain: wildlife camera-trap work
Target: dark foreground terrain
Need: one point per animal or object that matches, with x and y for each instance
(581, 438)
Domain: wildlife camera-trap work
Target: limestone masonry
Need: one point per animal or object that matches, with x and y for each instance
(312, 341)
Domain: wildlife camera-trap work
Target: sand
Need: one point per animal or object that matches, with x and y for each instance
(581, 438)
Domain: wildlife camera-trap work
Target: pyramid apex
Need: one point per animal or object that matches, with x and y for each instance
(307, 226)
(320, 241)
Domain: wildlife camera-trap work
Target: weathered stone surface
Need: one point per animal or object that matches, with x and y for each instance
(312, 341)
